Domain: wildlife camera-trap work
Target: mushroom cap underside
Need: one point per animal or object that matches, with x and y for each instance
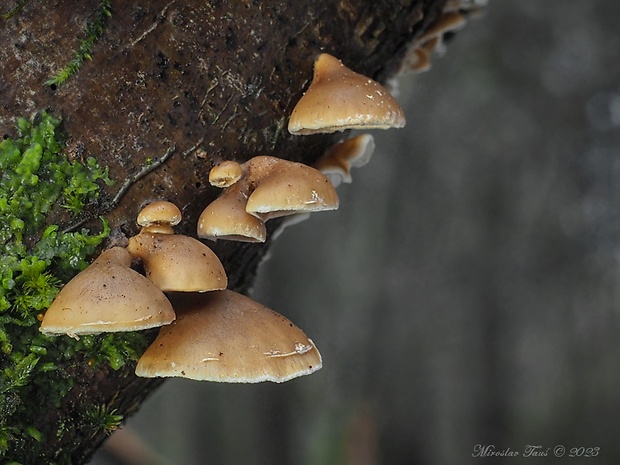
(337, 162)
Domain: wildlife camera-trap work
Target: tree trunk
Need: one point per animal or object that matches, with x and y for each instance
(167, 90)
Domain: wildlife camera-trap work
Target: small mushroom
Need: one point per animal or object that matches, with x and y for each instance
(269, 187)
(339, 98)
(447, 22)
(225, 174)
(432, 41)
(107, 296)
(175, 262)
(418, 60)
(226, 218)
(227, 337)
(284, 187)
(355, 152)
(178, 263)
(159, 216)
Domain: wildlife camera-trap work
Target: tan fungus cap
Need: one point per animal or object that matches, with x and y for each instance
(339, 98)
(226, 218)
(107, 296)
(225, 174)
(287, 188)
(227, 337)
(355, 152)
(178, 263)
(159, 212)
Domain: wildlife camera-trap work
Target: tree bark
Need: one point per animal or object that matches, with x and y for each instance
(174, 87)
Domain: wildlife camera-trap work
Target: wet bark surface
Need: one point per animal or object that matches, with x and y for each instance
(172, 89)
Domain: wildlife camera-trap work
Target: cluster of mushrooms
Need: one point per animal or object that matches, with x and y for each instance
(207, 331)
(453, 17)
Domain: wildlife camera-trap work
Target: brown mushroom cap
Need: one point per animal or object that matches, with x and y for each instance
(337, 162)
(418, 60)
(159, 212)
(226, 218)
(107, 296)
(284, 188)
(269, 187)
(339, 98)
(225, 174)
(178, 263)
(227, 337)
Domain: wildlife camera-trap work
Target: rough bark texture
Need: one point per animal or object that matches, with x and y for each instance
(187, 84)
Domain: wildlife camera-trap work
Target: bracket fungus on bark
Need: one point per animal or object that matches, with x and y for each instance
(224, 336)
(107, 296)
(175, 262)
(269, 187)
(339, 99)
(350, 153)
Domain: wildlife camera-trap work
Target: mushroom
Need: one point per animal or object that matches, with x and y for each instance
(178, 263)
(432, 40)
(107, 296)
(284, 187)
(418, 59)
(159, 216)
(269, 187)
(226, 337)
(174, 262)
(447, 22)
(337, 162)
(226, 218)
(225, 174)
(339, 98)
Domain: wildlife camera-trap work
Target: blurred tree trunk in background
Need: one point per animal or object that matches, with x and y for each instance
(185, 84)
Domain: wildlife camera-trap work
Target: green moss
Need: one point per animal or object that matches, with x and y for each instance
(102, 418)
(13, 11)
(94, 30)
(35, 178)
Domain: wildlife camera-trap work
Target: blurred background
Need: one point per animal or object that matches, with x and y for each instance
(466, 292)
